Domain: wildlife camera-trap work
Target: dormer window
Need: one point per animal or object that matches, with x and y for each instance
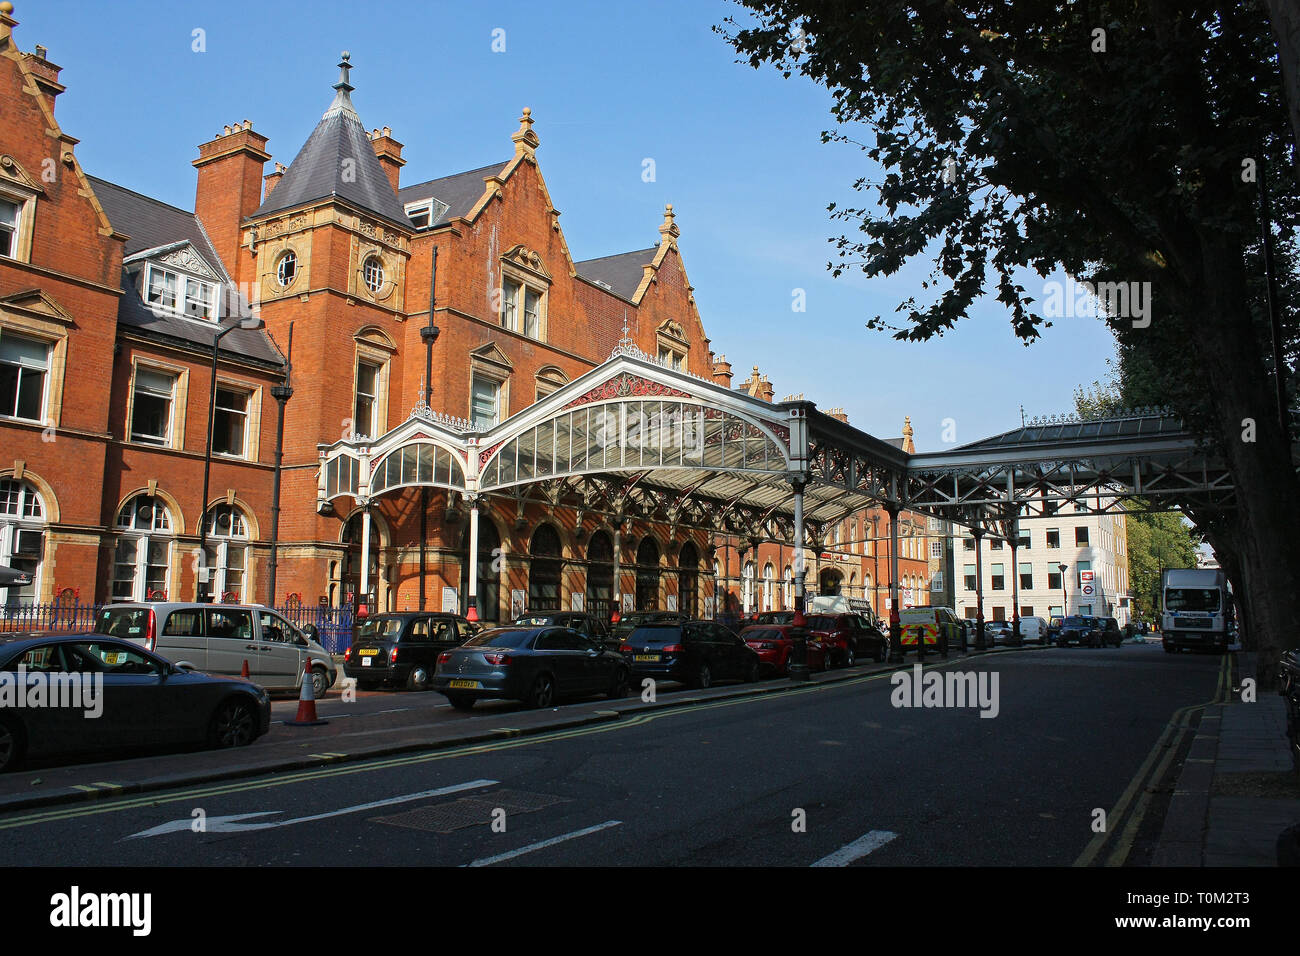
(181, 294)
(420, 214)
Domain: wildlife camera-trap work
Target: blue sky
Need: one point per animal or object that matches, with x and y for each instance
(736, 151)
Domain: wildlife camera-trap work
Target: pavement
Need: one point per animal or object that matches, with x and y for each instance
(1237, 789)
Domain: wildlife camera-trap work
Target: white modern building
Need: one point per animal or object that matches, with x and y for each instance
(1092, 547)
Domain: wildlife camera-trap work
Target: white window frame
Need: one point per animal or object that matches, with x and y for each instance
(12, 525)
(249, 395)
(159, 532)
(208, 293)
(498, 385)
(21, 248)
(224, 544)
(378, 261)
(46, 375)
(169, 430)
(415, 209)
(15, 227)
(514, 302)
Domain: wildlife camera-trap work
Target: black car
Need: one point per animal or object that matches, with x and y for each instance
(586, 624)
(1111, 635)
(402, 649)
(537, 665)
(629, 622)
(695, 653)
(112, 694)
(1082, 630)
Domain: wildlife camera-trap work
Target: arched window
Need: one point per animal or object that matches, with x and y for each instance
(688, 580)
(600, 575)
(142, 557)
(747, 587)
(768, 575)
(227, 554)
(787, 589)
(647, 575)
(853, 583)
(544, 571)
(489, 570)
(22, 538)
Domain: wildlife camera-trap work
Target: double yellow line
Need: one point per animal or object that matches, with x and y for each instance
(1159, 758)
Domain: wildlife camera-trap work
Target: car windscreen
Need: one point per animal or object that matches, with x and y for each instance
(762, 634)
(534, 620)
(821, 622)
(1191, 599)
(124, 622)
(651, 634)
(379, 629)
(1077, 622)
(502, 637)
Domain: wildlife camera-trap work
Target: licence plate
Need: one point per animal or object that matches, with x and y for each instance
(645, 658)
(368, 651)
(464, 684)
(365, 662)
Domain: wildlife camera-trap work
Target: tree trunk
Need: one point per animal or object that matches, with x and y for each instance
(1267, 497)
(1284, 16)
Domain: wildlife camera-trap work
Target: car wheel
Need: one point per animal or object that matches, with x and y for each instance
(460, 701)
(882, 653)
(543, 692)
(848, 656)
(232, 725)
(703, 678)
(751, 672)
(13, 744)
(621, 682)
(418, 679)
(320, 682)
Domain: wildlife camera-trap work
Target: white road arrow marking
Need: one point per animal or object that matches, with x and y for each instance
(857, 849)
(228, 824)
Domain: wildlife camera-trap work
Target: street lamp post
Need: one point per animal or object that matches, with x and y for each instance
(202, 586)
(1064, 599)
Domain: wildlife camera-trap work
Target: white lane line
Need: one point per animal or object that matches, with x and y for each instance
(489, 860)
(857, 849)
(232, 823)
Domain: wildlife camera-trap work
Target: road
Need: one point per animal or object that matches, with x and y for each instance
(719, 783)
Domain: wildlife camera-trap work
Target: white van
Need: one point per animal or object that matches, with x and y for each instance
(1033, 630)
(220, 638)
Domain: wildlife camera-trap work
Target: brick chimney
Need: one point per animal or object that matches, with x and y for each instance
(272, 179)
(44, 73)
(389, 152)
(758, 386)
(722, 371)
(230, 189)
(839, 414)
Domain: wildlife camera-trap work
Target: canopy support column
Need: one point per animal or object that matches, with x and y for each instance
(471, 604)
(895, 625)
(365, 555)
(978, 534)
(798, 670)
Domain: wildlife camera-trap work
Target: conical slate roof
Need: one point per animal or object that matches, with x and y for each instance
(337, 160)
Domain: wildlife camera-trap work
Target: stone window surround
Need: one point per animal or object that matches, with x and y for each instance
(55, 335)
(180, 395)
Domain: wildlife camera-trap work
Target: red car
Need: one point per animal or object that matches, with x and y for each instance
(848, 638)
(775, 646)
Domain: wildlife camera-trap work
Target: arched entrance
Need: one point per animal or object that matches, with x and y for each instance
(829, 581)
(600, 575)
(647, 575)
(351, 575)
(544, 570)
(489, 574)
(688, 579)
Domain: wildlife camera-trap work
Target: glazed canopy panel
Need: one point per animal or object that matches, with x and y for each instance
(632, 435)
(420, 463)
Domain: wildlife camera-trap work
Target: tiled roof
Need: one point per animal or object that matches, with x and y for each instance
(458, 192)
(152, 224)
(620, 273)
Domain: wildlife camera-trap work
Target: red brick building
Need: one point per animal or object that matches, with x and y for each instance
(110, 303)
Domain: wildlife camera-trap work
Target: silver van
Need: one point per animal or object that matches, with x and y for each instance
(219, 638)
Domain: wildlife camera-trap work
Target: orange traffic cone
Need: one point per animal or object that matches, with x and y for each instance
(306, 702)
(244, 671)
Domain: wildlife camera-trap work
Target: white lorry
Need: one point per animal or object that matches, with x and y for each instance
(1197, 609)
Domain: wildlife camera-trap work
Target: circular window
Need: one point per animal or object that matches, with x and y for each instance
(287, 268)
(373, 272)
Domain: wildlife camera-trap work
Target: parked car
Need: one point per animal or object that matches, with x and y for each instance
(998, 632)
(697, 653)
(1033, 630)
(774, 644)
(1111, 635)
(589, 624)
(146, 701)
(773, 617)
(402, 649)
(220, 638)
(629, 622)
(847, 639)
(1054, 628)
(537, 665)
(1084, 630)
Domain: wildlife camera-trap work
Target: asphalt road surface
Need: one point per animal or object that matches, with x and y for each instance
(723, 783)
